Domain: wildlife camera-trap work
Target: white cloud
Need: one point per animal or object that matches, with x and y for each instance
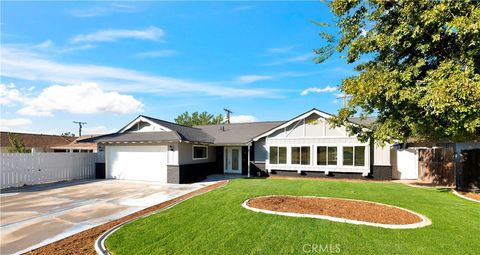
(242, 118)
(102, 10)
(8, 123)
(280, 50)
(242, 8)
(97, 130)
(295, 59)
(156, 54)
(109, 35)
(50, 47)
(318, 90)
(45, 44)
(9, 94)
(85, 98)
(253, 78)
(24, 64)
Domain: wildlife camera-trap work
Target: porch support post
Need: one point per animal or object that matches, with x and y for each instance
(248, 160)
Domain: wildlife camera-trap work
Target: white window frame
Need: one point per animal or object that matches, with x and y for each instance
(278, 155)
(309, 158)
(199, 146)
(353, 155)
(326, 151)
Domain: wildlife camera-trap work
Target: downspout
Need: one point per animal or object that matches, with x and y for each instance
(248, 160)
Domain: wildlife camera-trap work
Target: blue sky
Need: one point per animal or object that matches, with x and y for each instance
(107, 62)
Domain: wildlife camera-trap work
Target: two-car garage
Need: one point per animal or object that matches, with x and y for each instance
(144, 162)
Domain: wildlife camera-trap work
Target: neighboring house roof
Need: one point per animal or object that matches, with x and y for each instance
(237, 133)
(37, 140)
(78, 145)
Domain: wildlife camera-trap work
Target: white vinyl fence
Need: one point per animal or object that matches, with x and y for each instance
(18, 169)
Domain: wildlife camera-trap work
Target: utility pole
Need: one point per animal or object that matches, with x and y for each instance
(80, 125)
(344, 97)
(227, 115)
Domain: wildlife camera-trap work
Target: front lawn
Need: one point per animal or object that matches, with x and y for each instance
(216, 223)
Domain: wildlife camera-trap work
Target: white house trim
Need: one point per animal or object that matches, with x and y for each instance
(288, 123)
(139, 119)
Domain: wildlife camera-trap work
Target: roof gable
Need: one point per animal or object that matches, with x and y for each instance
(294, 120)
(143, 124)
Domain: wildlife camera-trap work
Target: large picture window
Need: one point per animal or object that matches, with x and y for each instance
(301, 155)
(278, 155)
(354, 156)
(326, 155)
(200, 152)
(359, 155)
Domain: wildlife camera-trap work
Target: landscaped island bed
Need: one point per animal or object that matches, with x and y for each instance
(333, 207)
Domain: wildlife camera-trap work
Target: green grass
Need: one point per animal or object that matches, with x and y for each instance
(216, 223)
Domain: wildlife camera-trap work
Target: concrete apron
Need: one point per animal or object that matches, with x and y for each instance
(33, 217)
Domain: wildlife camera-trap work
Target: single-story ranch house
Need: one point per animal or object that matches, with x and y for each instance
(157, 150)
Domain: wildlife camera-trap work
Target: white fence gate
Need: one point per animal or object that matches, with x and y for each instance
(18, 169)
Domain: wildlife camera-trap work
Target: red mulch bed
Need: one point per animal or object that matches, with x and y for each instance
(324, 178)
(340, 208)
(83, 242)
(475, 196)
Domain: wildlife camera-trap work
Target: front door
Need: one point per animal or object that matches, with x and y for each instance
(232, 160)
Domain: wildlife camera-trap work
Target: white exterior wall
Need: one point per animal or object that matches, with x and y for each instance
(314, 131)
(18, 169)
(381, 155)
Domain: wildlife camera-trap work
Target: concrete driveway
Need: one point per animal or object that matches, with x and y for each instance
(35, 216)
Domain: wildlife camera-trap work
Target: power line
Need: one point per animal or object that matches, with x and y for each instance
(227, 115)
(80, 125)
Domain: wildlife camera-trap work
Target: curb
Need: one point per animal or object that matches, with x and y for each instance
(464, 197)
(425, 221)
(100, 247)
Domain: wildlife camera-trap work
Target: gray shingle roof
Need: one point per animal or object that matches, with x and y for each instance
(192, 134)
(139, 137)
(238, 133)
(364, 122)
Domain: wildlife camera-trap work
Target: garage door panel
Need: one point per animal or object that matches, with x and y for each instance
(148, 163)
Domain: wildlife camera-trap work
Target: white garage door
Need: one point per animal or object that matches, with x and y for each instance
(145, 163)
(407, 164)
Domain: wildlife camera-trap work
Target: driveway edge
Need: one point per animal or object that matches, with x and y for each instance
(84, 242)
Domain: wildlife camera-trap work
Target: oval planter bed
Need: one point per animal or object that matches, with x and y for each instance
(339, 210)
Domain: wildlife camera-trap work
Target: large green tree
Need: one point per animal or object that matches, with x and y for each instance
(422, 73)
(196, 118)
